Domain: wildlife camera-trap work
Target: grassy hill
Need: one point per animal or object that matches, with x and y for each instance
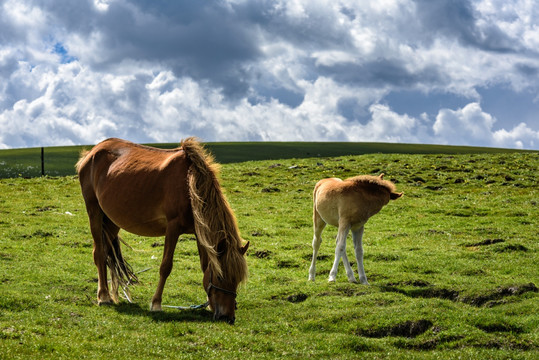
(59, 161)
(452, 267)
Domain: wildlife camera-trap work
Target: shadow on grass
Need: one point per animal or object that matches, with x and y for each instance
(168, 315)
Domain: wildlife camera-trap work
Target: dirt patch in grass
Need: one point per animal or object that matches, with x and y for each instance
(294, 298)
(262, 254)
(428, 344)
(416, 283)
(46, 208)
(500, 327)
(486, 242)
(383, 257)
(309, 257)
(287, 264)
(408, 329)
(297, 298)
(440, 293)
(512, 247)
(494, 298)
(343, 291)
(488, 299)
(505, 343)
(270, 189)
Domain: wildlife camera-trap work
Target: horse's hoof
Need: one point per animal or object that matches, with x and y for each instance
(353, 281)
(155, 308)
(104, 303)
(331, 280)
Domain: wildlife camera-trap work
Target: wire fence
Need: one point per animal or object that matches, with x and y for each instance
(35, 162)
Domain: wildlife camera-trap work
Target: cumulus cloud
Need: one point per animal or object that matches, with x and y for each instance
(75, 72)
(471, 125)
(462, 126)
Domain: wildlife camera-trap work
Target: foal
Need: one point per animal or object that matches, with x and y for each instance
(348, 205)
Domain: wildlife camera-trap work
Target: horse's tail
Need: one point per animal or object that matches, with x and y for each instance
(82, 160)
(121, 272)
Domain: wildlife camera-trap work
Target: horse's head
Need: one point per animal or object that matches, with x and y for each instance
(222, 294)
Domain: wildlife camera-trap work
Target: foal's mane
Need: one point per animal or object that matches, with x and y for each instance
(372, 181)
(215, 224)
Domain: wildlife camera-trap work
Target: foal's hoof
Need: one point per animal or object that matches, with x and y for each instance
(155, 308)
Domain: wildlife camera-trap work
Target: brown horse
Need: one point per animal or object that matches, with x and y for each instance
(348, 205)
(154, 192)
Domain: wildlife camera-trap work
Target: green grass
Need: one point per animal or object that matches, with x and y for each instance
(452, 267)
(59, 161)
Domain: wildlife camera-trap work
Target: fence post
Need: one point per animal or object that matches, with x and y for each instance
(42, 161)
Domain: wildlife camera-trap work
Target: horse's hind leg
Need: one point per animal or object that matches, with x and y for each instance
(318, 226)
(112, 251)
(95, 215)
(340, 250)
(348, 268)
(357, 235)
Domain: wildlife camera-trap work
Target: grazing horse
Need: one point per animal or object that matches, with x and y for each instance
(155, 192)
(348, 205)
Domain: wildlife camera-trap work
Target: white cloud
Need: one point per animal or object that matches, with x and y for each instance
(463, 125)
(471, 125)
(521, 136)
(259, 70)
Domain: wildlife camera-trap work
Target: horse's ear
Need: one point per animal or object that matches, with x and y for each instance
(394, 195)
(381, 176)
(244, 248)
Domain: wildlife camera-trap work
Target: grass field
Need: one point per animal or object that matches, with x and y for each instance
(452, 267)
(58, 161)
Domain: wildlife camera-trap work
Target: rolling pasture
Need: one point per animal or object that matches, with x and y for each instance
(453, 268)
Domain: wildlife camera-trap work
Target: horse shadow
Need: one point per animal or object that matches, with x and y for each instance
(168, 315)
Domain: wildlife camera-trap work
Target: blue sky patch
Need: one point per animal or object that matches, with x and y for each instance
(65, 58)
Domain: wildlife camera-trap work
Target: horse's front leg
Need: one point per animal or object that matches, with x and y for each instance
(357, 236)
(171, 239)
(340, 249)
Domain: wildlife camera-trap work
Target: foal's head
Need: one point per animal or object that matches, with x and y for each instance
(222, 292)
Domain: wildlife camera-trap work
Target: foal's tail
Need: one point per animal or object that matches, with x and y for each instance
(121, 272)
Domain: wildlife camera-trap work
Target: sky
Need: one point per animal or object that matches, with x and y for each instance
(456, 72)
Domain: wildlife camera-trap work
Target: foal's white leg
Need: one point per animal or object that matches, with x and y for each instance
(357, 236)
(348, 268)
(318, 226)
(340, 249)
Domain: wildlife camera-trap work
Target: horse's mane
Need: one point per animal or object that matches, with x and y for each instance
(215, 223)
(370, 181)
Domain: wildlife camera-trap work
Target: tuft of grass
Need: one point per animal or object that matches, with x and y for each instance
(452, 267)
